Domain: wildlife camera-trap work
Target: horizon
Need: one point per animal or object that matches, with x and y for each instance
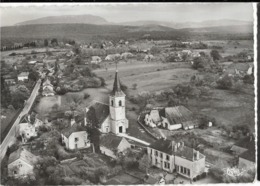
(119, 13)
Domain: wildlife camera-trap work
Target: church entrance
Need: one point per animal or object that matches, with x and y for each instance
(120, 129)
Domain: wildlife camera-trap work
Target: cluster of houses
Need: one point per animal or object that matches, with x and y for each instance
(110, 119)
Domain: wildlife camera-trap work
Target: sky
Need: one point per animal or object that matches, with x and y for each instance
(173, 12)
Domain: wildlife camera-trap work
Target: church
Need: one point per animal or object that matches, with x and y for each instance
(109, 117)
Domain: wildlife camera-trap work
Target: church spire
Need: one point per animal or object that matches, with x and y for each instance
(117, 86)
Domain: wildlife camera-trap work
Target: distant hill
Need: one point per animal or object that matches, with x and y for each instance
(233, 29)
(95, 33)
(178, 25)
(67, 19)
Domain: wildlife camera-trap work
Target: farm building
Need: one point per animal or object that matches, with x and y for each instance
(112, 57)
(21, 163)
(113, 146)
(23, 76)
(75, 136)
(171, 118)
(171, 156)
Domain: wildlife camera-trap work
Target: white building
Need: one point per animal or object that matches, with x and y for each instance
(113, 146)
(28, 129)
(96, 60)
(112, 117)
(171, 118)
(75, 136)
(171, 156)
(21, 163)
(23, 76)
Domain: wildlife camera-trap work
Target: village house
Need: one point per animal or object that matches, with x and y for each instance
(75, 136)
(21, 163)
(112, 117)
(113, 146)
(27, 129)
(96, 60)
(171, 118)
(23, 76)
(173, 156)
(47, 88)
(9, 79)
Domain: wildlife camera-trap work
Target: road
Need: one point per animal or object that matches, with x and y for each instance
(11, 136)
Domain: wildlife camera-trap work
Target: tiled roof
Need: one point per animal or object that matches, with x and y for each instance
(163, 145)
(249, 155)
(167, 146)
(24, 155)
(187, 153)
(74, 128)
(97, 114)
(110, 141)
(246, 143)
(178, 114)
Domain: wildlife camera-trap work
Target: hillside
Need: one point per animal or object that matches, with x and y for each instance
(233, 29)
(67, 19)
(95, 33)
(180, 25)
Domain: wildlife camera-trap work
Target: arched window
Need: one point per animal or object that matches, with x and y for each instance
(112, 102)
(120, 103)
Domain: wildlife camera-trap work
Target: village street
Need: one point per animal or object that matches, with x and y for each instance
(9, 139)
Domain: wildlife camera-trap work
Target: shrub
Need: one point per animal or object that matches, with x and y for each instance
(86, 95)
(225, 82)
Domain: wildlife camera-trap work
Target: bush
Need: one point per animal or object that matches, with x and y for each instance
(86, 95)
(249, 79)
(225, 83)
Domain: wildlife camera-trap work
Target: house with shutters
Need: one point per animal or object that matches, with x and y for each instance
(173, 156)
(109, 117)
(75, 136)
(21, 163)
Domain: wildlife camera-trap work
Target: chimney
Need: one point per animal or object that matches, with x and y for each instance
(197, 155)
(72, 121)
(175, 147)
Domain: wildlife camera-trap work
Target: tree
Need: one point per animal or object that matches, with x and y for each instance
(54, 41)
(134, 86)
(215, 55)
(46, 43)
(199, 62)
(33, 75)
(19, 96)
(5, 94)
(225, 82)
(155, 50)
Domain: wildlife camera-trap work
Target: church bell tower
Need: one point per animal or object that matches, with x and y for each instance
(119, 123)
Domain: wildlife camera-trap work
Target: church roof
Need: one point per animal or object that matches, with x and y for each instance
(117, 87)
(110, 141)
